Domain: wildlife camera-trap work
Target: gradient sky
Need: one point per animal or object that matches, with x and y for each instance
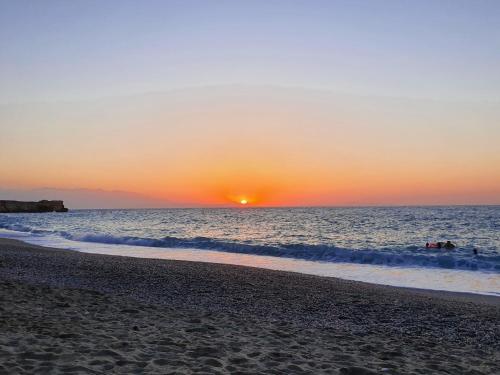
(278, 102)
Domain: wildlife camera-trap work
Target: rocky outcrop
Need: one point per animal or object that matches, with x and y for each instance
(41, 206)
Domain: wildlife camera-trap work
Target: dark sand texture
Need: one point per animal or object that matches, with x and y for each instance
(68, 312)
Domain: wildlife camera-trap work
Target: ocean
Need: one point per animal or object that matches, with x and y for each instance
(384, 245)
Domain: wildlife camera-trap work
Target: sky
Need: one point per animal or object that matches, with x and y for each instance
(207, 103)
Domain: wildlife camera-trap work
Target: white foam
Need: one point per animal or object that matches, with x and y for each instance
(478, 282)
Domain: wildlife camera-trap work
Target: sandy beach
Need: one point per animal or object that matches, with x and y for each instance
(69, 312)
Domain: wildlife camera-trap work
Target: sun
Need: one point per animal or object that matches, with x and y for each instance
(243, 201)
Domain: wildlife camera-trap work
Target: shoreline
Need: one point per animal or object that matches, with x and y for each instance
(440, 279)
(452, 295)
(349, 326)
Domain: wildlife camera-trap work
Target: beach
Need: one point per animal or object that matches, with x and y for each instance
(67, 312)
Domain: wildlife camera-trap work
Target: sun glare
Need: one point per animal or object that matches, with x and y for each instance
(243, 201)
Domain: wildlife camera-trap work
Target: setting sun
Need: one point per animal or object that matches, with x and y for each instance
(243, 201)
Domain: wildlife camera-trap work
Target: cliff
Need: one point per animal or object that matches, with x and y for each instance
(41, 206)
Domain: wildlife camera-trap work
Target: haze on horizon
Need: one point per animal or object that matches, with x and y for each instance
(277, 103)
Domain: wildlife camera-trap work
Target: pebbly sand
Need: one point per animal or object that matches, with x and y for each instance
(63, 312)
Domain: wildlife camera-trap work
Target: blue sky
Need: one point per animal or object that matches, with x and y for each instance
(52, 50)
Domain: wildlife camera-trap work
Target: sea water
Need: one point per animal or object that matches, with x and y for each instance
(384, 245)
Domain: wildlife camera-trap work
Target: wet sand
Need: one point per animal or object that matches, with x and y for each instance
(68, 312)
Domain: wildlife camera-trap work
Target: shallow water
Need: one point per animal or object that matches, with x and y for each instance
(381, 245)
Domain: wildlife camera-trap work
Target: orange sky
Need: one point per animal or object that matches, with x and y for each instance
(270, 146)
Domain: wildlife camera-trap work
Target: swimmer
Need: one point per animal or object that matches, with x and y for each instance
(448, 245)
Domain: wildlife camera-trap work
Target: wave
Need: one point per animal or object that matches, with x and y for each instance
(403, 257)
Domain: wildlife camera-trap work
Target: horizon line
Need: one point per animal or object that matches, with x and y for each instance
(246, 207)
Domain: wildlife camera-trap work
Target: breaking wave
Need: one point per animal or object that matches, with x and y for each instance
(403, 257)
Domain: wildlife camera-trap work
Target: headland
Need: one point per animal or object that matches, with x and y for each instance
(31, 207)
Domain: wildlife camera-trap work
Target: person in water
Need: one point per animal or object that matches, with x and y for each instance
(448, 245)
(434, 245)
(439, 245)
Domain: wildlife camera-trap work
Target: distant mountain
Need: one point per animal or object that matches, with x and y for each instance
(87, 198)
